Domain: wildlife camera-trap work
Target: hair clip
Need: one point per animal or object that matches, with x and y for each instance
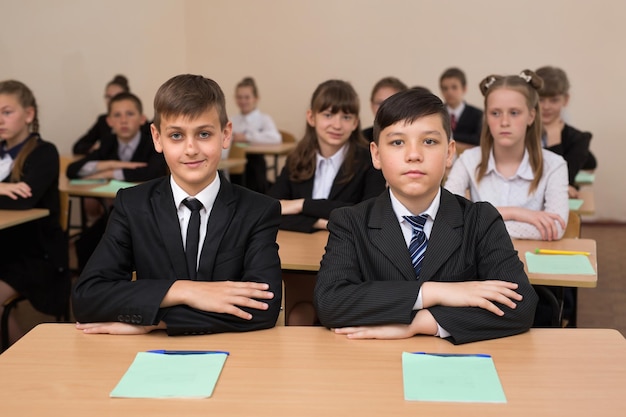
(490, 82)
(525, 77)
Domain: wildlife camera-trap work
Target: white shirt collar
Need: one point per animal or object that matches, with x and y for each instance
(207, 196)
(524, 171)
(133, 143)
(337, 159)
(458, 111)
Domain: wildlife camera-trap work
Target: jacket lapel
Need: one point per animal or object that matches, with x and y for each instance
(166, 214)
(385, 234)
(444, 239)
(219, 220)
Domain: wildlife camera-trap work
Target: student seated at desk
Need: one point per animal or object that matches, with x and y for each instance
(127, 155)
(331, 166)
(204, 251)
(90, 141)
(558, 136)
(466, 120)
(418, 259)
(527, 184)
(252, 126)
(34, 255)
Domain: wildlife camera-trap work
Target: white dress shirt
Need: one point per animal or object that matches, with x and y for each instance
(258, 128)
(407, 231)
(207, 197)
(550, 195)
(326, 170)
(125, 152)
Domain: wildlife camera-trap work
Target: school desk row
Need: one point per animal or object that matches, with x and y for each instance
(310, 371)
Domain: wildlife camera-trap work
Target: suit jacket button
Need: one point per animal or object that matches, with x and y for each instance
(120, 317)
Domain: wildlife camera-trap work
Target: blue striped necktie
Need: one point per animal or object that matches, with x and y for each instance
(418, 244)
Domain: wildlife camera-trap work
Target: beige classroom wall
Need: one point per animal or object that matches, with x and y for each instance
(67, 50)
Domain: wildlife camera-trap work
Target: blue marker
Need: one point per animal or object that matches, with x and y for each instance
(451, 355)
(188, 352)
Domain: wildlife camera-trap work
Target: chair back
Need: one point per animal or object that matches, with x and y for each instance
(572, 230)
(287, 137)
(237, 152)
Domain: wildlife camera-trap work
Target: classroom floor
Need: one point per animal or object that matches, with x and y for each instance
(601, 307)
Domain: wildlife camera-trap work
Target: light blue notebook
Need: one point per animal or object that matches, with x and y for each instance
(451, 378)
(575, 203)
(584, 178)
(155, 375)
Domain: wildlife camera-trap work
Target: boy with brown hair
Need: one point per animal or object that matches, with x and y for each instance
(418, 259)
(204, 251)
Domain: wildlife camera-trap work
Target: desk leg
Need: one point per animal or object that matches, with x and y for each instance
(298, 298)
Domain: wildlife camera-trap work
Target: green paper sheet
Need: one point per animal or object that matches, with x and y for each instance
(462, 378)
(584, 178)
(575, 203)
(559, 264)
(113, 186)
(153, 375)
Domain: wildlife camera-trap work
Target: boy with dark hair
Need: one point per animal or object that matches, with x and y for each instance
(204, 251)
(418, 259)
(465, 120)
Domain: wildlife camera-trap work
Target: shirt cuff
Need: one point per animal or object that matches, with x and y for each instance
(88, 169)
(118, 174)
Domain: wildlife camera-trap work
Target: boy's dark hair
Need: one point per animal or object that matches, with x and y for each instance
(390, 82)
(454, 72)
(409, 106)
(248, 82)
(125, 96)
(189, 95)
(555, 81)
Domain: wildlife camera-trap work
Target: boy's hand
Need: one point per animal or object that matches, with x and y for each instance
(113, 164)
(423, 323)
(116, 328)
(15, 190)
(572, 192)
(471, 294)
(291, 206)
(219, 296)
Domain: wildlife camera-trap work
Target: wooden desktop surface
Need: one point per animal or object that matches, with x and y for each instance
(269, 149)
(9, 218)
(309, 371)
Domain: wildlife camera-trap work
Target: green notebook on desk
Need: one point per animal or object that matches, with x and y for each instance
(113, 186)
(451, 378)
(584, 178)
(559, 264)
(575, 203)
(156, 375)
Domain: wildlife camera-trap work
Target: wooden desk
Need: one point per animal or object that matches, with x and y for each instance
(276, 150)
(226, 164)
(589, 203)
(9, 218)
(308, 371)
(301, 253)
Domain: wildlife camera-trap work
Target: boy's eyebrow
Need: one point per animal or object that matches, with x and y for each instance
(173, 127)
(425, 132)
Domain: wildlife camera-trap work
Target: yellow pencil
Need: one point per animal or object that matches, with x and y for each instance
(561, 252)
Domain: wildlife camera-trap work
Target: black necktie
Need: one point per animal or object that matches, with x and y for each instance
(193, 236)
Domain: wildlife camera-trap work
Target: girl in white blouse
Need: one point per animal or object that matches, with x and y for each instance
(252, 126)
(527, 184)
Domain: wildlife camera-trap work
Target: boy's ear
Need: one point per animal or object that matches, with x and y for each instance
(156, 138)
(375, 155)
(451, 153)
(144, 119)
(109, 121)
(228, 134)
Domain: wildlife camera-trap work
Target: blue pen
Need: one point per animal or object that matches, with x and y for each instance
(451, 355)
(187, 352)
